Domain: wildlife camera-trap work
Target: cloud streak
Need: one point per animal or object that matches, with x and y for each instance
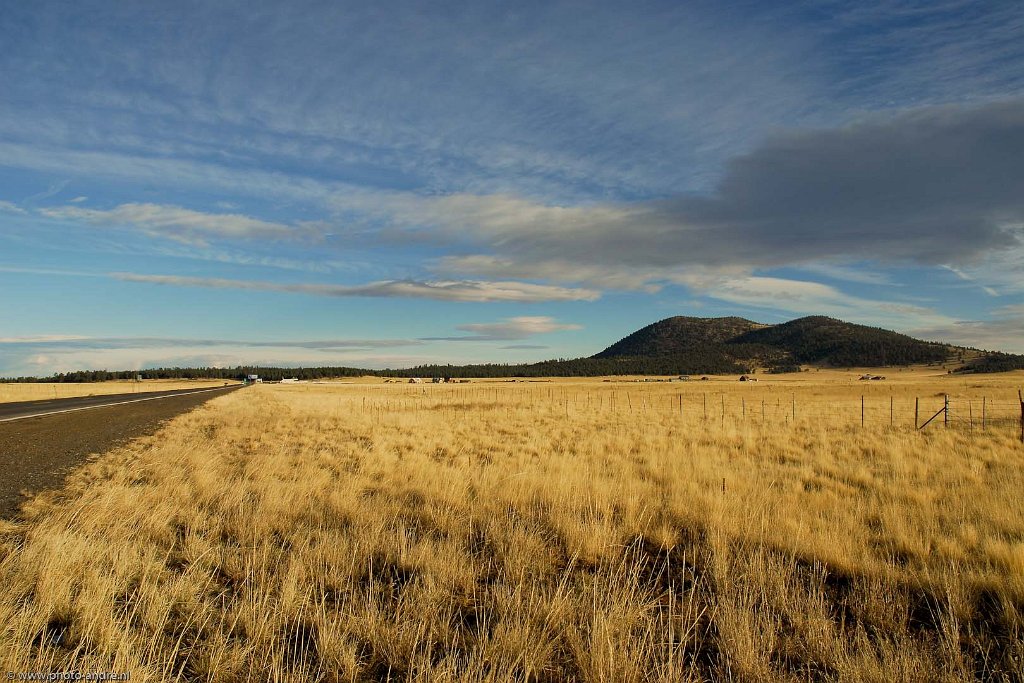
(65, 342)
(186, 225)
(11, 207)
(443, 290)
(510, 329)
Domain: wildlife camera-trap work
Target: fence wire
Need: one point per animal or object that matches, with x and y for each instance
(759, 407)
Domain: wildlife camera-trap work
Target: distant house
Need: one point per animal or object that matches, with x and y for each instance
(290, 380)
(414, 380)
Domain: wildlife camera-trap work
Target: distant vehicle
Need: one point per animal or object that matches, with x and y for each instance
(415, 380)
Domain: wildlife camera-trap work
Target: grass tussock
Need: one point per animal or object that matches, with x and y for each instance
(360, 533)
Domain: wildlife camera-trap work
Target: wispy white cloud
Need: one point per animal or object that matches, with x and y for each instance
(10, 207)
(51, 191)
(520, 327)
(43, 339)
(969, 278)
(62, 272)
(186, 225)
(861, 274)
(999, 333)
(802, 297)
(444, 290)
(59, 342)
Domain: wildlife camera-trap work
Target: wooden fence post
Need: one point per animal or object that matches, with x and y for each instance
(984, 411)
(1021, 399)
(917, 406)
(862, 411)
(945, 411)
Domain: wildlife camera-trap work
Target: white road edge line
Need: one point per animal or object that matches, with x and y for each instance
(107, 405)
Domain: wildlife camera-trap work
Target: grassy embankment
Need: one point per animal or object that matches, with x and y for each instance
(546, 532)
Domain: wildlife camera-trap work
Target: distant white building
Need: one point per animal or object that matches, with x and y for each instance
(290, 380)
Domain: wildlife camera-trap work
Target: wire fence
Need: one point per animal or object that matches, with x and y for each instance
(1002, 411)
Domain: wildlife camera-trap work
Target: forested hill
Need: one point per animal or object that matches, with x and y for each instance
(816, 340)
(680, 334)
(828, 341)
(678, 345)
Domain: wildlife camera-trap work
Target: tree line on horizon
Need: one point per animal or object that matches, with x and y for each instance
(577, 367)
(695, 364)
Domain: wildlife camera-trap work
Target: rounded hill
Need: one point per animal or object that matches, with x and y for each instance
(679, 335)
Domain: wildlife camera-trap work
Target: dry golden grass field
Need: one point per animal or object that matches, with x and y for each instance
(11, 392)
(542, 531)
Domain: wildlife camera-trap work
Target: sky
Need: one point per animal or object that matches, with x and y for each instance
(388, 184)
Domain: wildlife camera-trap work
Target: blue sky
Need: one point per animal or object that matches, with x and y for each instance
(386, 184)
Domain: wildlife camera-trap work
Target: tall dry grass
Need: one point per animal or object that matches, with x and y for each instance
(40, 391)
(541, 532)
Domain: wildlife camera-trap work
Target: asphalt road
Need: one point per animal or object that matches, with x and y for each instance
(41, 441)
(26, 409)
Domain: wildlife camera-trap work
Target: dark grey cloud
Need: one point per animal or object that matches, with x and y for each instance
(936, 185)
(932, 185)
